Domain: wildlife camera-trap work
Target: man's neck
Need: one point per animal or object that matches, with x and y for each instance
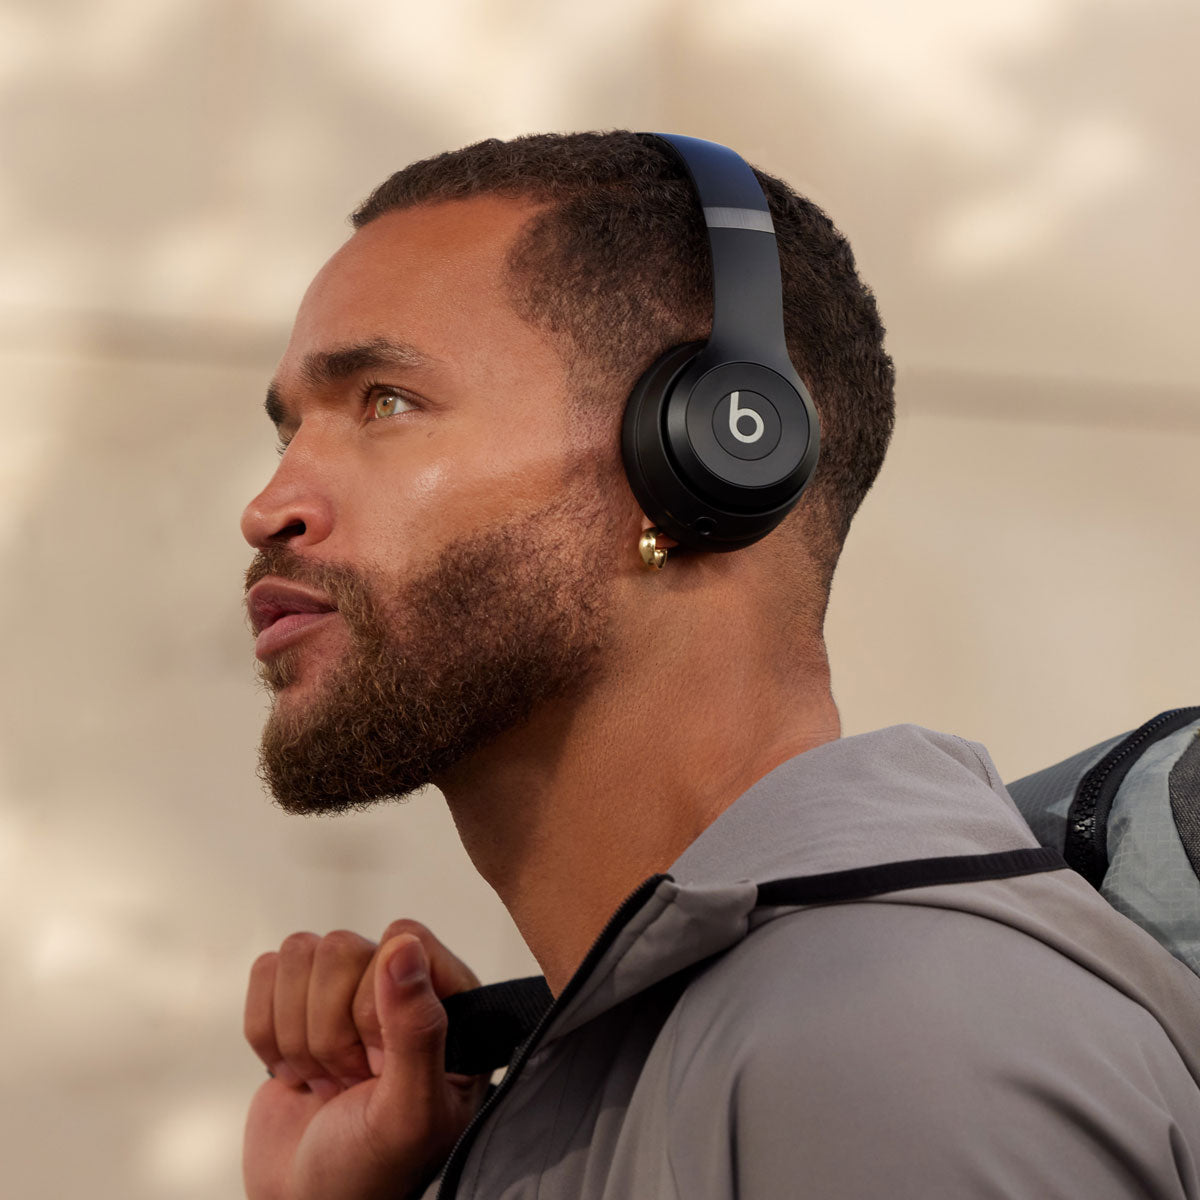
(565, 816)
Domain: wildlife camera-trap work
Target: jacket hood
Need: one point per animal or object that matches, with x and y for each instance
(892, 794)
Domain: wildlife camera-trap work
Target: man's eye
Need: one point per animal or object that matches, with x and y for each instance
(387, 404)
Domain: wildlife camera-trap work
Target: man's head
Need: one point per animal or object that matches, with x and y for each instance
(615, 266)
(452, 396)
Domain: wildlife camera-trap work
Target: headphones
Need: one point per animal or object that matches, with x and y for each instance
(720, 439)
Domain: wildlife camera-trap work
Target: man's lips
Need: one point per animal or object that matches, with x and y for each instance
(280, 611)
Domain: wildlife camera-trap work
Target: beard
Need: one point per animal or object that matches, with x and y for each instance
(437, 667)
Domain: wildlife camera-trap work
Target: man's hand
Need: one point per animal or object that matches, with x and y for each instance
(360, 1106)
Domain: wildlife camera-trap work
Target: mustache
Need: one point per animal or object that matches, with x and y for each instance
(343, 585)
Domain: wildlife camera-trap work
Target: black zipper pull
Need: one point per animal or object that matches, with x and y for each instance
(1086, 846)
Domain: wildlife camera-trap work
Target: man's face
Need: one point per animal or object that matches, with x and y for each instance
(437, 548)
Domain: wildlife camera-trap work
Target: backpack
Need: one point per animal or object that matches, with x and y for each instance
(1125, 814)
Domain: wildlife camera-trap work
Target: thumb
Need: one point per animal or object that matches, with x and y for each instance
(413, 1024)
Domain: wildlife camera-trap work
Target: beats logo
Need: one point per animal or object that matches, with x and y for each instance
(746, 424)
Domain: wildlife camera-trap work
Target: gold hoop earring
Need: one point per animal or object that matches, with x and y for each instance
(653, 555)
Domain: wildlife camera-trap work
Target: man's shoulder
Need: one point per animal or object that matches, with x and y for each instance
(905, 989)
(891, 1048)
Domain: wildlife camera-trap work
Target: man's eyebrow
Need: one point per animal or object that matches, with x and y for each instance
(276, 410)
(321, 368)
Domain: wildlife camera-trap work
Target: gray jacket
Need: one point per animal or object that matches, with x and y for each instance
(1011, 1038)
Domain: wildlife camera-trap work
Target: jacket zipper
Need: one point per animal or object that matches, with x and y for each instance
(448, 1188)
(1086, 845)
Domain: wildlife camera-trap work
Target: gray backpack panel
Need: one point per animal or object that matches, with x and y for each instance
(1126, 814)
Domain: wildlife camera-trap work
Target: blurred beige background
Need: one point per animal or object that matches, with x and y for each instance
(1020, 181)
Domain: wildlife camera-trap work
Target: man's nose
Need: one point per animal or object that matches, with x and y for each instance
(292, 509)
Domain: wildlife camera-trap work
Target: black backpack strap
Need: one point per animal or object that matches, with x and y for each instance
(864, 882)
(487, 1024)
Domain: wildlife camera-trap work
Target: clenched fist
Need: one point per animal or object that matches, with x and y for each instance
(360, 1106)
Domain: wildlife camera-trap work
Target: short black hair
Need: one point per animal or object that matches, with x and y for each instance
(616, 264)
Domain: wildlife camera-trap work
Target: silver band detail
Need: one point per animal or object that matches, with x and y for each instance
(739, 218)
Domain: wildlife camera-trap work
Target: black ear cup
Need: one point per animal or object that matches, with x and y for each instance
(717, 452)
(720, 438)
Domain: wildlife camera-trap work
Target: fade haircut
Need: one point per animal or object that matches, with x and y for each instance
(616, 266)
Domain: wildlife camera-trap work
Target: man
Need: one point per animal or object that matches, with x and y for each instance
(448, 589)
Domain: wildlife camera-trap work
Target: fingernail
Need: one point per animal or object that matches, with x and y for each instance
(407, 964)
(375, 1059)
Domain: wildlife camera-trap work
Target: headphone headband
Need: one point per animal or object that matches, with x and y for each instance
(747, 288)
